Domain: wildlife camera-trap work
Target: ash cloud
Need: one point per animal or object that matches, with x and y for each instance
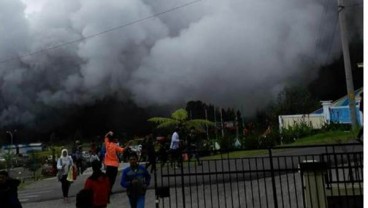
(229, 53)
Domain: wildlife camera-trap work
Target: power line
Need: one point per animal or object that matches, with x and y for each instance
(100, 33)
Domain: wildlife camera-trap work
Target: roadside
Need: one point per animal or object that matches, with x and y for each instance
(49, 189)
(117, 200)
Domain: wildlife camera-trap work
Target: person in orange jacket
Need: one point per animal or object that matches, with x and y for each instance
(111, 160)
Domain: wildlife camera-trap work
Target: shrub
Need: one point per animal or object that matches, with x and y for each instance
(270, 140)
(227, 143)
(3, 165)
(9, 159)
(250, 142)
(292, 133)
(333, 126)
(33, 163)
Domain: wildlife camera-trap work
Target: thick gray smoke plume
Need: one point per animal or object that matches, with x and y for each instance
(226, 52)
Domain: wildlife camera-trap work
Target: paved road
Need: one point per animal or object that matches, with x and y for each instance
(50, 189)
(118, 200)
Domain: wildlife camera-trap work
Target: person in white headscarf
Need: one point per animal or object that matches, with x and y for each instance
(64, 163)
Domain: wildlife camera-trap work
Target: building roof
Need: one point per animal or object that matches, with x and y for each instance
(343, 101)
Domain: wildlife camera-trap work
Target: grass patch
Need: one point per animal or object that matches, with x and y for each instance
(237, 154)
(333, 137)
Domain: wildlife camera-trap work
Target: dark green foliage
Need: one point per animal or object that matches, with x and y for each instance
(250, 142)
(332, 126)
(3, 165)
(9, 158)
(295, 100)
(227, 143)
(196, 109)
(33, 163)
(330, 82)
(270, 140)
(292, 133)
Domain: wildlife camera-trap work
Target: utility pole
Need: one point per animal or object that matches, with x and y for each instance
(222, 125)
(347, 64)
(205, 114)
(214, 115)
(237, 125)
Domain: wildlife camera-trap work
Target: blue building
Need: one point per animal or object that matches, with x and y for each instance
(339, 112)
(331, 112)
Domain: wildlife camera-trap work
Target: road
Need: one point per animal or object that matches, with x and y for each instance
(50, 189)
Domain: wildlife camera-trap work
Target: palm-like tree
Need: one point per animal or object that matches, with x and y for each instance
(180, 119)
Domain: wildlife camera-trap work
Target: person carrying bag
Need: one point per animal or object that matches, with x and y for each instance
(64, 166)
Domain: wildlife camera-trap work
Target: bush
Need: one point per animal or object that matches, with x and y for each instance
(270, 140)
(3, 165)
(332, 126)
(292, 133)
(47, 170)
(250, 142)
(227, 143)
(9, 159)
(33, 163)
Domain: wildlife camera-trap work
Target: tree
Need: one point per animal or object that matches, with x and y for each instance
(296, 100)
(291, 100)
(180, 119)
(33, 164)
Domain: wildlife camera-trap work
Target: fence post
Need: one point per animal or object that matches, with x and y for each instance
(273, 178)
(182, 180)
(313, 177)
(156, 195)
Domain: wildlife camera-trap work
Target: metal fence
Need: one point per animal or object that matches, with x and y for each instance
(304, 176)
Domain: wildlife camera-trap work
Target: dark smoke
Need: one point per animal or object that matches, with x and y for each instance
(229, 53)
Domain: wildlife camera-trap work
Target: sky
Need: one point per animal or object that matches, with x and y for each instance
(233, 53)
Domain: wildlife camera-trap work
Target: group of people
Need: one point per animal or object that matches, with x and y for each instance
(180, 150)
(173, 151)
(98, 187)
(135, 178)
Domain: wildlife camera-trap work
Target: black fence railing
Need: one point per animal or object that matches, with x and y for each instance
(304, 176)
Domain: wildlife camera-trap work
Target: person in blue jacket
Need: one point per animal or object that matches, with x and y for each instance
(135, 179)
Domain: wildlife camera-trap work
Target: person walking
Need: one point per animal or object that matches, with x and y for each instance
(94, 157)
(76, 155)
(9, 191)
(151, 153)
(193, 146)
(99, 183)
(64, 163)
(135, 179)
(101, 154)
(111, 160)
(175, 149)
(162, 154)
